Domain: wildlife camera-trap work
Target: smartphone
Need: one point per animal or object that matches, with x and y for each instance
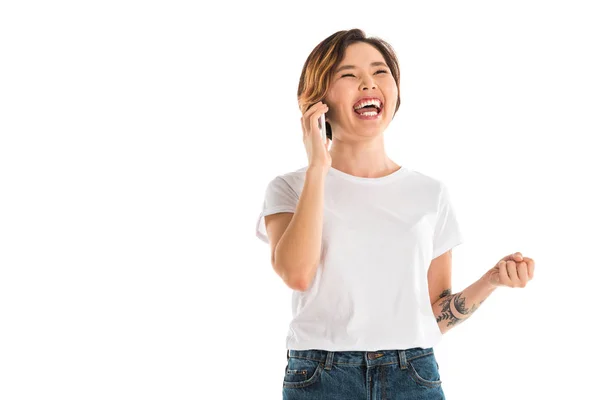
(323, 127)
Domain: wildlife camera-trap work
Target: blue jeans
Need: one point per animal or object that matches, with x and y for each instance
(409, 374)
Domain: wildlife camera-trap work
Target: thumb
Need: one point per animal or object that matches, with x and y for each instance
(515, 257)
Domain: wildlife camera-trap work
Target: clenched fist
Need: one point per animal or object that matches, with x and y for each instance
(513, 270)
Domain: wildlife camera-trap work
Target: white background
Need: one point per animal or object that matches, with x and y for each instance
(137, 140)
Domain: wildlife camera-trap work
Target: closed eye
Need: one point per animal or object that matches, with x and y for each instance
(381, 70)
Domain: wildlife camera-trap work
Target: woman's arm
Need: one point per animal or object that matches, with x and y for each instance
(452, 309)
(298, 252)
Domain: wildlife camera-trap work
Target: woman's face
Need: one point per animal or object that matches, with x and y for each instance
(348, 85)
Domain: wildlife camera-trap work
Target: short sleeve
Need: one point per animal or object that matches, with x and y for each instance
(447, 232)
(279, 197)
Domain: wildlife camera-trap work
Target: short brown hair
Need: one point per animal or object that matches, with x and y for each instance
(322, 62)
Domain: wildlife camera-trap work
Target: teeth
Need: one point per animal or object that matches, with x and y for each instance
(370, 113)
(373, 102)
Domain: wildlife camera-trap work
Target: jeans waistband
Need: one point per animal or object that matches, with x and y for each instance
(366, 358)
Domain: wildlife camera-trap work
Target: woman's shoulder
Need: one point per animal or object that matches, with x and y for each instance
(294, 179)
(429, 178)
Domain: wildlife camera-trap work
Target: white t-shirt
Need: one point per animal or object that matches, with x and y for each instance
(370, 290)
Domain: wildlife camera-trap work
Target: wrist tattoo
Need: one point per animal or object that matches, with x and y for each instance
(459, 304)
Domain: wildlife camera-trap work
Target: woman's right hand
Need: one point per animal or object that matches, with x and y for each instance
(316, 150)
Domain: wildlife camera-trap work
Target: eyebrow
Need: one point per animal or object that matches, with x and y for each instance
(373, 64)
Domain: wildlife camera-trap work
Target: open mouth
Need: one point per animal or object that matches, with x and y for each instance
(368, 111)
(370, 107)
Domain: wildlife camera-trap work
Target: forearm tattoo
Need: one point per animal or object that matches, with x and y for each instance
(459, 304)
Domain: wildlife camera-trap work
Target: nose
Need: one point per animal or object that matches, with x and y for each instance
(368, 83)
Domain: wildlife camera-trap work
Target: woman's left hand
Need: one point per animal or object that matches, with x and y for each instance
(512, 271)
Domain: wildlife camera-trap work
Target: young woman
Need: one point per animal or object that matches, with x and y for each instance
(365, 243)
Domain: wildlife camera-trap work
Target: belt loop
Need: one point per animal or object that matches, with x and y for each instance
(329, 361)
(288, 353)
(402, 359)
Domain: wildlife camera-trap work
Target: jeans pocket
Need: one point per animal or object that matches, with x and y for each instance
(424, 370)
(301, 372)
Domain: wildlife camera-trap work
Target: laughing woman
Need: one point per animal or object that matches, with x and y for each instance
(365, 244)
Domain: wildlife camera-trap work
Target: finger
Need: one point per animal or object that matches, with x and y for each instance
(320, 109)
(305, 118)
(511, 268)
(523, 274)
(530, 267)
(504, 278)
(304, 122)
(314, 118)
(514, 256)
(315, 108)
